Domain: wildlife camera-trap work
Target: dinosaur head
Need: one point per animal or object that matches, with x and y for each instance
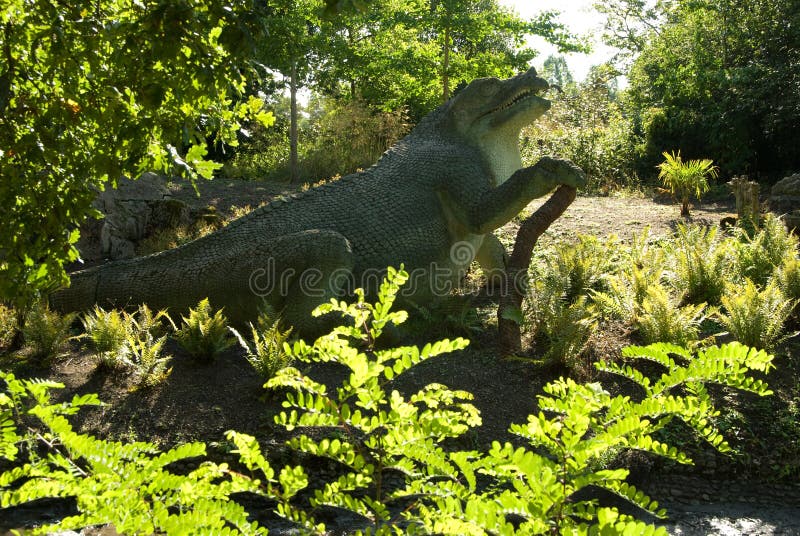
(492, 107)
(489, 113)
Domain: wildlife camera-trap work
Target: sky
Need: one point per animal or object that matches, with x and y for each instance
(579, 17)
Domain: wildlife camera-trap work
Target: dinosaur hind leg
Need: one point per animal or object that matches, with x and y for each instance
(294, 274)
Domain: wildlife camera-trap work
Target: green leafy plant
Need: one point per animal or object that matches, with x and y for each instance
(203, 334)
(754, 316)
(143, 355)
(46, 332)
(108, 332)
(127, 485)
(576, 426)
(370, 429)
(683, 179)
(267, 354)
(663, 320)
(561, 328)
(787, 277)
(756, 256)
(581, 267)
(701, 264)
(8, 326)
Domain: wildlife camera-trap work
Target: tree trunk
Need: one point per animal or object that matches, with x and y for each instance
(516, 276)
(446, 66)
(294, 171)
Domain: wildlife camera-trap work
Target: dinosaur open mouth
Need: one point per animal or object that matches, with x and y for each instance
(519, 97)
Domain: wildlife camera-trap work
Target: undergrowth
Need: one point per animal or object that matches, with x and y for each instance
(372, 431)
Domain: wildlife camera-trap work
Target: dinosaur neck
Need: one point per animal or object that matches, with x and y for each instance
(502, 153)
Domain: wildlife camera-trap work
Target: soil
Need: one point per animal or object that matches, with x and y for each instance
(201, 402)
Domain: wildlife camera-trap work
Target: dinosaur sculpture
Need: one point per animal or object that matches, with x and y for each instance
(431, 202)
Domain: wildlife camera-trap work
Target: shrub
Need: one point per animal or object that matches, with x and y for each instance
(787, 277)
(561, 328)
(46, 332)
(369, 429)
(641, 267)
(662, 320)
(537, 489)
(580, 268)
(144, 357)
(756, 317)
(683, 179)
(701, 264)
(8, 326)
(758, 255)
(128, 485)
(203, 334)
(108, 332)
(268, 354)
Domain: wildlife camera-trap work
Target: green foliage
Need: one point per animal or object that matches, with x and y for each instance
(371, 430)
(203, 334)
(143, 355)
(124, 340)
(561, 328)
(754, 316)
(8, 326)
(268, 353)
(701, 264)
(108, 333)
(46, 332)
(589, 125)
(711, 79)
(662, 320)
(128, 485)
(576, 426)
(787, 277)
(574, 270)
(683, 179)
(757, 255)
(154, 77)
(641, 266)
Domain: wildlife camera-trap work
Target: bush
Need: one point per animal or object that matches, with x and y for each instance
(758, 255)
(369, 430)
(8, 326)
(662, 320)
(144, 357)
(787, 277)
(108, 332)
(701, 263)
(756, 317)
(46, 332)
(268, 354)
(577, 269)
(203, 335)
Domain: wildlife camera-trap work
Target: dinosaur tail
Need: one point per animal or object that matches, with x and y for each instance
(80, 295)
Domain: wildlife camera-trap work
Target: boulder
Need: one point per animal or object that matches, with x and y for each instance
(784, 200)
(134, 209)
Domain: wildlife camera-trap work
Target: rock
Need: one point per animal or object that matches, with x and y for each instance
(134, 209)
(784, 200)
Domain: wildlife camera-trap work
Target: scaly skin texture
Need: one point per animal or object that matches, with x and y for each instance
(430, 203)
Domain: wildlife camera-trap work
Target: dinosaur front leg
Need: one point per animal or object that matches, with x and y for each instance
(499, 205)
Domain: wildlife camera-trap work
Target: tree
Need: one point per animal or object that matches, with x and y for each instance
(89, 93)
(719, 78)
(683, 179)
(556, 71)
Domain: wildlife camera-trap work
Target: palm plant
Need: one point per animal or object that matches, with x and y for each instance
(683, 179)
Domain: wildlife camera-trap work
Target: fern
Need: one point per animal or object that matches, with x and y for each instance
(702, 264)
(661, 320)
(268, 354)
(144, 357)
(108, 332)
(757, 255)
(8, 326)
(46, 332)
(204, 335)
(756, 317)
